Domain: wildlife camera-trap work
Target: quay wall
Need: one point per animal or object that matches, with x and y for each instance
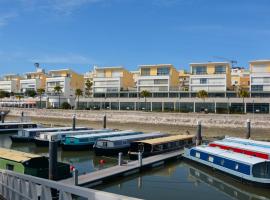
(161, 118)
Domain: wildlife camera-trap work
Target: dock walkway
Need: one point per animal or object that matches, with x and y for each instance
(98, 177)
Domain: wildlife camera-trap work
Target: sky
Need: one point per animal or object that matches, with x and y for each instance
(78, 34)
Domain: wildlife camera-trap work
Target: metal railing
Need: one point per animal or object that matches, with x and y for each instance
(15, 186)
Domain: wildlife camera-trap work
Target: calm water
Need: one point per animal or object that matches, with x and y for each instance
(178, 180)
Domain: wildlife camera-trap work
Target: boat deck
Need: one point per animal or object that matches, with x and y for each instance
(98, 177)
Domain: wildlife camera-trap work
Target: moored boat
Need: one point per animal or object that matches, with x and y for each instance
(43, 139)
(28, 135)
(113, 145)
(156, 146)
(247, 142)
(15, 126)
(86, 142)
(243, 167)
(31, 164)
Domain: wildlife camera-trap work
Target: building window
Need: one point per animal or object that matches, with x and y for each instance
(199, 70)
(203, 80)
(256, 88)
(220, 69)
(145, 72)
(163, 71)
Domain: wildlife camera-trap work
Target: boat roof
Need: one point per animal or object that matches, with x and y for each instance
(243, 158)
(16, 156)
(77, 132)
(135, 137)
(243, 146)
(166, 139)
(12, 123)
(48, 129)
(103, 134)
(247, 141)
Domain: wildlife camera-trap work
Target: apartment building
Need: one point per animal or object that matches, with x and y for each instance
(183, 80)
(112, 79)
(157, 78)
(210, 76)
(240, 78)
(260, 76)
(10, 83)
(67, 79)
(135, 75)
(33, 80)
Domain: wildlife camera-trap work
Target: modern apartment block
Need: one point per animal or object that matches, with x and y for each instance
(240, 78)
(210, 76)
(67, 79)
(183, 80)
(260, 76)
(157, 78)
(10, 83)
(111, 79)
(33, 80)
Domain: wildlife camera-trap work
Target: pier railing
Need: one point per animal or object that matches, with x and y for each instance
(15, 186)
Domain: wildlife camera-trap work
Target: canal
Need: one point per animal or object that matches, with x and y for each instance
(177, 180)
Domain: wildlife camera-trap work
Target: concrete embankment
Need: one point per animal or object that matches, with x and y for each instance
(184, 119)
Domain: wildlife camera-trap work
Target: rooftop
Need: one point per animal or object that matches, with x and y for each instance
(16, 156)
(166, 139)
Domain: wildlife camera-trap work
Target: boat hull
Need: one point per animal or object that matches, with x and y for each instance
(111, 151)
(15, 138)
(83, 147)
(43, 143)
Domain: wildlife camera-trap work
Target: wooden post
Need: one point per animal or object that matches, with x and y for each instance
(104, 121)
(74, 122)
(248, 133)
(75, 176)
(199, 133)
(53, 159)
(2, 117)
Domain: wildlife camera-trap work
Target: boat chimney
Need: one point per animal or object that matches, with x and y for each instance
(74, 122)
(248, 133)
(53, 159)
(199, 133)
(104, 121)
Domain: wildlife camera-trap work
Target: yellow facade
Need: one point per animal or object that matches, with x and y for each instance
(264, 63)
(13, 77)
(38, 75)
(183, 80)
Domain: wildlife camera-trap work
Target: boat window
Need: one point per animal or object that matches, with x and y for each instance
(236, 166)
(141, 148)
(9, 167)
(222, 162)
(83, 140)
(210, 159)
(104, 144)
(198, 155)
(261, 170)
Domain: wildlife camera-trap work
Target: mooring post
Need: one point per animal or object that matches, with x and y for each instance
(140, 158)
(120, 158)
(53, 159)
(75, 176)
(2, 117)
(199, 133)
(248, 133)
(22, 115)
(104, 121)
(74, 122)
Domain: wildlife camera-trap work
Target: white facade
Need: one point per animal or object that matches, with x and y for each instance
(260, 77)
(8, 86)
(153, 83)
(29, 84)
(63, 82)
(108, 84)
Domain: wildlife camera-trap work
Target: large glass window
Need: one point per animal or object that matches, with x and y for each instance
(145, 72)
(199, 70)
(203, 80)
(257, 88)
(261, 170)
(220, 69)
(163, 71)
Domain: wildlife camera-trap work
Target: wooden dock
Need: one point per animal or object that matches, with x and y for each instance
(98, 177)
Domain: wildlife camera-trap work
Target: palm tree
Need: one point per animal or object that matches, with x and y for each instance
(145, 94)
(88, 87)
(243, 94)
(58, 90)
(202, 94)
(78, 93)
(40, 92)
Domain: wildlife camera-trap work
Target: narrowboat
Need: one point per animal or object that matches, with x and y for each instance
(31, 164)
(248, 169)
(247, 149)
(43, 139)
(28, 135)
(156, 146)
(15, 126)
(247, 142)
(113, 145)
(86, 142)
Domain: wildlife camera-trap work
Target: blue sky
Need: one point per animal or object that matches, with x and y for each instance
(80, 33)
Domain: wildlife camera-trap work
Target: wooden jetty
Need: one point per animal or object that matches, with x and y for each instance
(98, 177)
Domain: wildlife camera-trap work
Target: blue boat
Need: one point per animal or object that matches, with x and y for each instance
(247, 142)
(86, 142)
(113, 145)
(248, 169)
(28, 134)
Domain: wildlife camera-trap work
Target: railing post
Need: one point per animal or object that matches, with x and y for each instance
(199, 133)
(104, 121)
(75, 176)
(74, 122)
(140, 158)
(53, 159)
(120, 158)
(248, 133)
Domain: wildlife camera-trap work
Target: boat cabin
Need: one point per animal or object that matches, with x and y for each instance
(15, 126)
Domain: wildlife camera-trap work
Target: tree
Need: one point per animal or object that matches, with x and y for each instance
(30, 93)
(40, 92)
(202, 94)
(58, 90)
(145, 94)
(243, 94)
(65, 105)
(88, 87)
(78, 93)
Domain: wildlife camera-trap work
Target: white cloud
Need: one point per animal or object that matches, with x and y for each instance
(5, 18)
